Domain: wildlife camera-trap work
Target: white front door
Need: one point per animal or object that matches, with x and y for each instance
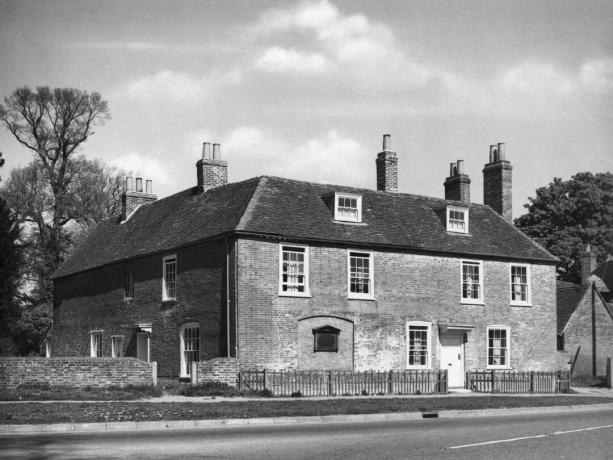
(142, 346)
(452, 357)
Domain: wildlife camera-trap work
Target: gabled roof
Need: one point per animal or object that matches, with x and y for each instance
(604, 271)
(291, 209)
(569, 297)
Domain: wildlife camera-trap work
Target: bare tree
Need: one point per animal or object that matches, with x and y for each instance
(53, 124)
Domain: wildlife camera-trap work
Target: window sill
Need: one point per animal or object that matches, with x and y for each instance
(351, 222)
(355, 297)
(520, 304)
(498, 368)
(472, 302)
(299, 295)
(419, 368)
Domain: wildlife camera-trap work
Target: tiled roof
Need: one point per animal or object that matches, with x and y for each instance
(605, 272)
(295, 210)
(568, 298)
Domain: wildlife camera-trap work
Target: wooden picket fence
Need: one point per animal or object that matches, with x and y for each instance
(506, 381)
(343, 383)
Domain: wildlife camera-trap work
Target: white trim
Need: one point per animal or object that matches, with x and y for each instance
(94, 353)
(501, 327)
(371, 277)
(307, 289)
(164, 293)
(448, 224)
(429, 345)
(337, 215)
(184, 366)
(471, 301)
(528, 302)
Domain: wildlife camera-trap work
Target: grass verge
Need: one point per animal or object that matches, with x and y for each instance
(46, 393)
(81, 412)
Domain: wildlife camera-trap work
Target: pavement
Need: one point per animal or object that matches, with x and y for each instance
(195, 424)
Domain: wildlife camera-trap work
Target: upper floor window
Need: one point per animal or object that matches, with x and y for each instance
(95, 344)
(418, 344)
(169, 278)
(457, 219)
(294, 270)
(472, 282)
(348, 208)
(498, 347)
(128, 285)
(520, 284)
(361, 276)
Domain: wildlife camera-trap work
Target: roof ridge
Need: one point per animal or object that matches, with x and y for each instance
(247, 213)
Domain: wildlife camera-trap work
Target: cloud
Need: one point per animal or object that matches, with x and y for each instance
(143, 166)
(535, 77)
(258, 152)
(283, 60)
(179, 86)
(597, 75)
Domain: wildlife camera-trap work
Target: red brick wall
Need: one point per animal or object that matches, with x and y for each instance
(578, 332)
(224, 370)
(74, 372)
(94, 300)
(407, 287)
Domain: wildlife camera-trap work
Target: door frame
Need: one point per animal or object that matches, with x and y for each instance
(458, 333)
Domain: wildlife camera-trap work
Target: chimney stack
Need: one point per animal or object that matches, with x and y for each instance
(211, 170)
(497, 182)
(457, 185)
(387, 167)
(132, 198)
(588, 264)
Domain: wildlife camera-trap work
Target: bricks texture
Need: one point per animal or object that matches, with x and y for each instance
(223, 370)
(497, 188)
(74, 372)
(387, 171)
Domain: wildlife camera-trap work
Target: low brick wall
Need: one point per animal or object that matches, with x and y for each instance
(223, 370)
(76, 372)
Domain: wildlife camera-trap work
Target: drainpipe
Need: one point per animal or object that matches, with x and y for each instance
(236, 350)
(227, 298)
(593, 329)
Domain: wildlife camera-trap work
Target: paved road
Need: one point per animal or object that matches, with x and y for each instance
(569, 435)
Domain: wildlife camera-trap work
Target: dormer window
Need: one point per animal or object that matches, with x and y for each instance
(347, 208)
(457, 219)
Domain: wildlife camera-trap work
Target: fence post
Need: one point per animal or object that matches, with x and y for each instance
(390, 382)
(493, 382)
(609, 373)
(330, 382)
(531, 381)
(240, 379)
(265, 379)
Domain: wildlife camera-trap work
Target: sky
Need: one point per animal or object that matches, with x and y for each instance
(306, 90)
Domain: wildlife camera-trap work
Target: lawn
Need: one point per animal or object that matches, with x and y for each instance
(91, 412)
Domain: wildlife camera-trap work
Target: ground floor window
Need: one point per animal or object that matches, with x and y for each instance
(96, 344)
(418, 344)
(190, 347)
(325, 339)
(117, 346)
(498, 347)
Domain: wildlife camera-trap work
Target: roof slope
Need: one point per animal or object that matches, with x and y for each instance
(295, 209)
(569, 297)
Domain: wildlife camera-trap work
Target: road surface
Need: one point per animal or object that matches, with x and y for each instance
(568, 435)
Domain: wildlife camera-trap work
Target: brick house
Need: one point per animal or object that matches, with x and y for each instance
(585, 316)
(282, 273)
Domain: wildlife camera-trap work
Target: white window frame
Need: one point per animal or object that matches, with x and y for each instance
(165, 295)
(528, 301)
(507, 364)
(92, 351)
(185, 366)
(451, 209)
(115, 353)
(429, 344)
(470, 300)
(371, 269)
(337, 214)
(283, 247)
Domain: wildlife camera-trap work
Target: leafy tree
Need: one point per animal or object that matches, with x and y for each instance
(53, 124)
(10, 259)
(566, 215)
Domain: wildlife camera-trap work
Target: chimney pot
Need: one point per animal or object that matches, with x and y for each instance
(206, 150)
(387, 142)
(501, 151)
(460, 168)
(149, 186)
(216, 152)
(493, 153)
(139, 184)
(452, 169)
